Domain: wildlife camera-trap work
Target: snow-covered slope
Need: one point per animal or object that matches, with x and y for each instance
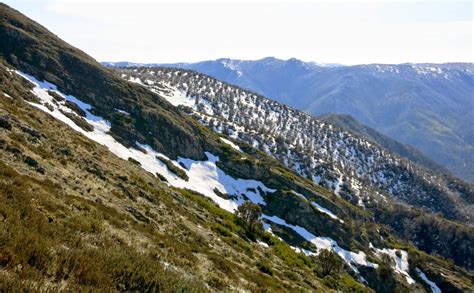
(352, 167)
(425, 106)
(115, 163)
(204, 177)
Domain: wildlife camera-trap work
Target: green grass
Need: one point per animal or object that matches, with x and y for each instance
(51, 241)
(53, 225)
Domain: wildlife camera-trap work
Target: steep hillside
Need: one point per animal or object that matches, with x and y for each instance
(351, 166)
(76, 217)
(355, 169)
(348, 123)
(30, 48)
(427, 106)
(107, 186)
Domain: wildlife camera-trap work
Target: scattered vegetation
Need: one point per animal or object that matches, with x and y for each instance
(264, 267)
(173, 168)
(141, 234)
(431, 233)
(75, 108)
(329, 263)
(300, 150)
(249, 215)
(78, 120)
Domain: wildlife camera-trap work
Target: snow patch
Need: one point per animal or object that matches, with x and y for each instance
(176, 97)
(326, 211)
(101, 126)
(434, 287)
(135, 79)
(350, 257)
(337, 185)
(232, 66)
(123, 112)
(204, 176)
(401, 263)
(231, 144)
(299, 194)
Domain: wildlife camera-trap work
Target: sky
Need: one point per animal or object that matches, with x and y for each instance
(345, 32)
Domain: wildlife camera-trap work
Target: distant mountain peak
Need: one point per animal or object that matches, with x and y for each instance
(424, 105)
(232, 65)
(115, 167)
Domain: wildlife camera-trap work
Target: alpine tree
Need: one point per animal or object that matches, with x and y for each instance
(249, 215)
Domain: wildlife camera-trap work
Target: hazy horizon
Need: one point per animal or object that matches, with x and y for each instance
(343, 32)
(284, 59)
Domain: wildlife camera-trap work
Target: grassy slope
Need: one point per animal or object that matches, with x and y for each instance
(140, 234)
(31, 48)
(93, 221)
(454, 245)
(134, 217)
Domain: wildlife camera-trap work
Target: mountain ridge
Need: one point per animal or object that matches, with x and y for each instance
(348, 123)
(271, 58)
(96, 168)
(423, 105)
(214, 99)
(216, 104)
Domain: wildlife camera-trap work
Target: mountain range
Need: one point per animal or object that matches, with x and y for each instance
(348, 165)
(142, 179)
(426, 106)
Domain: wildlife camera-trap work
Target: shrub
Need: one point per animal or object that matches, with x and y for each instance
(329, 263)
(172, 168)
(57, 97)
(264, 267)
(79, 121)
(249, 215)
(130, 159)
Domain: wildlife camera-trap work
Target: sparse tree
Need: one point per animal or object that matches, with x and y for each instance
(329, 263)
(249, 214)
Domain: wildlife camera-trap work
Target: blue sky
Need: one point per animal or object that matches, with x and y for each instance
(348, 32)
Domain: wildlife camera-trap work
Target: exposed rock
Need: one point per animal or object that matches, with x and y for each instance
(96, 170)
(74, 107)
(132, 160)
(56, 96)
(4, 123)
(13, 149)
(31, 162)
(33, 132)
(64, 150)
(139, 216)
(79, 121)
